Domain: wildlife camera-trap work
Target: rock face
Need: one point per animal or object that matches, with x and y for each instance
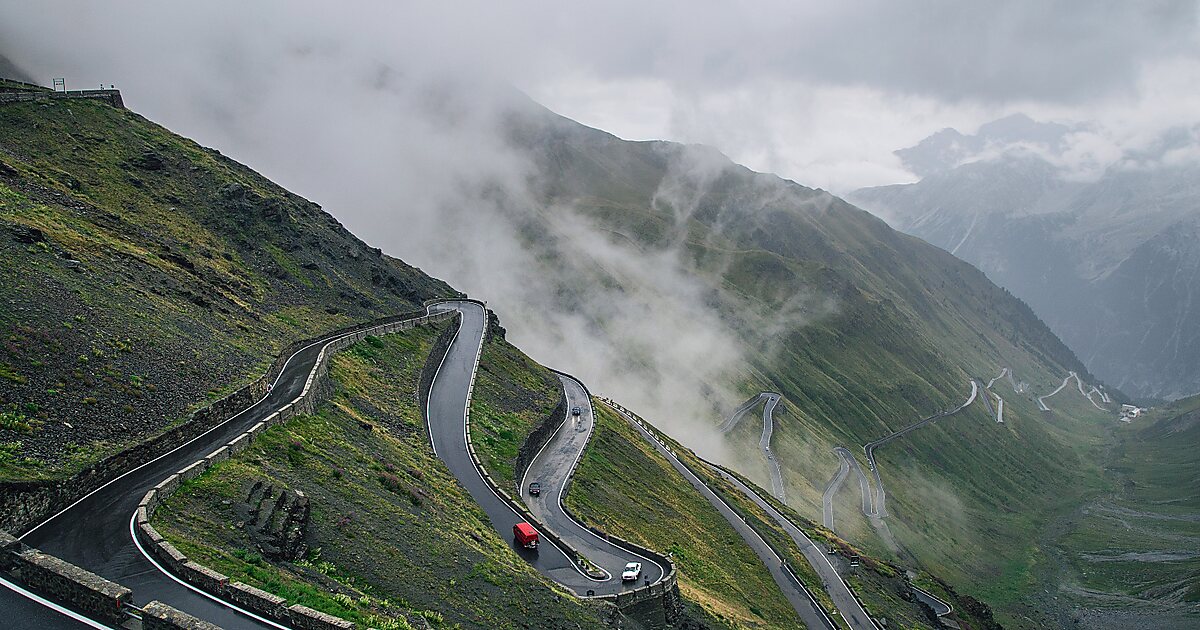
(276, 519)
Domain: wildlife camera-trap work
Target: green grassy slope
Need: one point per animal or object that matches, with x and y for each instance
(861, 328)
(512, 395)
(882, 586)
(141, 274)
(1130, 553)
(392, 534)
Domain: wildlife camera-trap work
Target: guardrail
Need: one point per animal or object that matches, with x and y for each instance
(85, 592)
(670, 577)
(212, 582)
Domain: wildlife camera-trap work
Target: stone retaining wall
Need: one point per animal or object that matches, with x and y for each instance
(432, 363)
(24, 504)
(159, 616)
(86, 592)
(217, 584)
(112, 97)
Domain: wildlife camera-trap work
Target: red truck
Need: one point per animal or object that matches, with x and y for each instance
(526, 535)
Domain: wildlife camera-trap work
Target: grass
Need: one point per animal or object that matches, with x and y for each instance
(1133, 546)
(375, 552)
(513, 395)
(625, 488)
(862, 329)
(880, 585)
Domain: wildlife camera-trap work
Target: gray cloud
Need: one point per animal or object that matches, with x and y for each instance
(818, 92)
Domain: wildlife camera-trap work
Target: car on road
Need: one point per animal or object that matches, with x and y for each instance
(632, 572)
(525, 535)
(576, 411)
(535, 489)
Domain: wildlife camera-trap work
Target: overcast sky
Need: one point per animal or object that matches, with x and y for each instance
(814, 91)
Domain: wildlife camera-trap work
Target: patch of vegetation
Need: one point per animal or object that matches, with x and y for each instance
(512, 396)
(392, 535)
(13, 420)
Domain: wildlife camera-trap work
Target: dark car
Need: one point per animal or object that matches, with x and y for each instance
(535, 489)
(576, 411)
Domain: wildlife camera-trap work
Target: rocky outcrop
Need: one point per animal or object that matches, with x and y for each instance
(276, 519)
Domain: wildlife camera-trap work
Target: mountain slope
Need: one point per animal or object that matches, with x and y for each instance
(1105, 260)
(141, 273)
(861, 328)
(1129, 555)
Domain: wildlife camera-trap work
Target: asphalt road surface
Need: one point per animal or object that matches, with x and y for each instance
(764, 444)
(880, 507)
(770, 400)
(831, 489)
(552, 468)
(95, 533)
(447, 415)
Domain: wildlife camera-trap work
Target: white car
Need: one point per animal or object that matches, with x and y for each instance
(632, 572)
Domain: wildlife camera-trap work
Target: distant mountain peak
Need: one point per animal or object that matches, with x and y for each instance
(950, 148)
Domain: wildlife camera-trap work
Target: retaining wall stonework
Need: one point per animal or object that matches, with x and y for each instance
(538, 437)
(61, 581)
(436, 354)
(159, 616)
(84, 591)
(112, 97)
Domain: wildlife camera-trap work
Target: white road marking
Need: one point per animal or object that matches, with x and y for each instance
(53, 606)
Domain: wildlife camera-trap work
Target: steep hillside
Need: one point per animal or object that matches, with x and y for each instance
(375, 486)
(1129, 556)
(141, 273)
(861, 328)
(1108, 260)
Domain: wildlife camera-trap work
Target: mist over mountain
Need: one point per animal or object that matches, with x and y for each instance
(1104, 251)
(680, 278)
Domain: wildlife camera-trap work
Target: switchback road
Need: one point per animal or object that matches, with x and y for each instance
(447, 413)
(552, 467)
(771, 399)
(848, 605)
(95, 533)
(874, 505)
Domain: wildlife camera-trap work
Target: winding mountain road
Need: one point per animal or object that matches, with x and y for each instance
(552, 467)
(771, 399)
(1041, 400)
(874, 504)
(447, 413)
(95, 532)
(848, 605)
(870, 447)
